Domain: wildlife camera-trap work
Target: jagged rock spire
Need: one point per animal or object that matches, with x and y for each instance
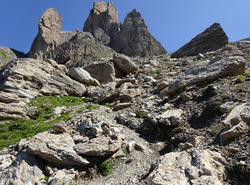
(131, 37)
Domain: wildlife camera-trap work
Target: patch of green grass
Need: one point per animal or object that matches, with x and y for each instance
(153, 73)
(12, 131)
(241, 78)
(91, 106)
(141, 114)
(150, 87)
(80, 110)
(107, 104)
(247, 73)
(167, 108)
(3, 55)
(105, 167)
(210, 85)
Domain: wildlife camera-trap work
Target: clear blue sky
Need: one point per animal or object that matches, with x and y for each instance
(172, 22)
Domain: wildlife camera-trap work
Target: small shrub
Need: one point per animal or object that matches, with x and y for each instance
(107, 104)
(80, 110)
(247, 73)
(210, 85)
(141, 114)
(105, 168)
(241, 78)
(125, 150)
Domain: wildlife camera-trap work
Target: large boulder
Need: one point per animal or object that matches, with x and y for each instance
(24, 169)
(25, 79)
(82, 76)
(211, 39)
(208, 70)
(195, 167)
(104, 72)
(125, 64)
(236, 122)
(57, 149)
(100, 146)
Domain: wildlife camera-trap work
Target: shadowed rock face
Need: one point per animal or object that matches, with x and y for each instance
(211, 39)
(134, 38)
(131, 37)
(102, 22)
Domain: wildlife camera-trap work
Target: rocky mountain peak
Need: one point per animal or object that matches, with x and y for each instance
(211, 39)
(131, 37)
(102, 22)
(49, 30)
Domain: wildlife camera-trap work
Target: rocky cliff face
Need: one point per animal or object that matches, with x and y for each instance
(128, 120)
(211, 39)
(102, 22)
(130, 37)
(73, 48)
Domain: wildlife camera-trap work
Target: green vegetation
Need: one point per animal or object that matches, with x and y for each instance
(150, 87)
(213, 131)
(91, 107)
(210, 85)
(80, 110)
(12, 131)
(125, 150)
(107, 104)
(167, 108)
(241, 78)
(153, 73)
(3, 55)
(141, 114)
(105, 167)
(247, 74)
(240, 170)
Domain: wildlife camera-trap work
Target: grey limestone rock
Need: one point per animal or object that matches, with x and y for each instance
(211, 39)
(57, 149)
(27, 78)
(82, 76)
(196, 167)
(207, 71)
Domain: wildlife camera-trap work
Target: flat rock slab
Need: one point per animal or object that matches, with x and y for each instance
(57, 149)
(100, 146)
(207, 71)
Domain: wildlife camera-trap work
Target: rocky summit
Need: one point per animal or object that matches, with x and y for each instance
(131, 37)
(108, 105)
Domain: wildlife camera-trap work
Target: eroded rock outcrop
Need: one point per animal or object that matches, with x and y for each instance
(6, 55)
(211, 39)
(103, 22)
(75, 48)
(57, 149)
(25, 79)
(195, 167)
(208, 70)
(131, 37)
(236, 122)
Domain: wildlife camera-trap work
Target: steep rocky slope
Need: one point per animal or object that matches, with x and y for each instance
(155, 120)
